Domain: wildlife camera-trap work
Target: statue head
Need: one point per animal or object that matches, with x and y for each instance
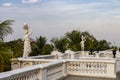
(25, 27)
(82, 38)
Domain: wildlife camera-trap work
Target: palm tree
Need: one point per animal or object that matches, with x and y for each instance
(5, 52)
(74, 39)
(42, 46)
(103, 45)
(5, 56)
(41, 41)
(5, 28)
(60, 44)
(74, 36)
(16, 46)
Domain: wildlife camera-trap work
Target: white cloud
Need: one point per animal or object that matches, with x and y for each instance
(7, 4)
(29, 1)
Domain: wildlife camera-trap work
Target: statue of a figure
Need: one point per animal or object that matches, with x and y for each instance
(26, 39)
(82, 43)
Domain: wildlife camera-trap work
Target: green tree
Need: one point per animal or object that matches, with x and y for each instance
(103, 45)
(42, 46)
(90, 40)
(41, 41)
(74, 39)
(16, 46)
(35, 48)
(5, 56)
(5, 28)
(5, 51)
(47, 49)
(60, 44)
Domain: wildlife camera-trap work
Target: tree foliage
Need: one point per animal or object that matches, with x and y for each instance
(72, 40)
(5, 56)
(60, 44)
(41, 46)
(5, 28)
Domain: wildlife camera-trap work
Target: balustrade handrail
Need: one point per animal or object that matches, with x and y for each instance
(46, 65)
(96, 58)
(9, 74)
(107, 61)
(22, 59)
(41, 57)
(19, 71)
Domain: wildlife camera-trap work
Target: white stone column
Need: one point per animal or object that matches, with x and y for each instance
(97, 55)
(42, 75)
(15, 63)
(64, 68)
(111, 70)
(83, 53)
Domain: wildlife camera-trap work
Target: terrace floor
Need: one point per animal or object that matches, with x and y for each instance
(85, 78)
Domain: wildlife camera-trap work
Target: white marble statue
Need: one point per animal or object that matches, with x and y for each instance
(26, 39)
(82, 43)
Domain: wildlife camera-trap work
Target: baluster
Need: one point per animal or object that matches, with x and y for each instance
(69, 66)
(95, 67)
(78, 67)
(88, 69)
(73, 67)
(105, 65)
(105, 68)
(92, 67)
(101, 66)
(85, 67)
(81, 67)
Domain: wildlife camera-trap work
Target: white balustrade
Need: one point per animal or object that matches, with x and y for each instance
(48, 71)
(57, 69)
(28, 73)
(94, 68)
(65, 56)
(21, 62)
(55, 72)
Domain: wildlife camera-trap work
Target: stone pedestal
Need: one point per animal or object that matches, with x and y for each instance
(97, 55)
(70, 54)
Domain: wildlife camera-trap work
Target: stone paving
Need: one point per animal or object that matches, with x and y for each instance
(86, 78)
(118, 75)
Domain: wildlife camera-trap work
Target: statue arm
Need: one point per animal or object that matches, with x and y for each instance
(30, 32)
(84, 40)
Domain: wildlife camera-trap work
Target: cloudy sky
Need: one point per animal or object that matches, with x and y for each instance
(53, 18)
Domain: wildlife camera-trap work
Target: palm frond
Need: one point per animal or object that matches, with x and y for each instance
(5, 28)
